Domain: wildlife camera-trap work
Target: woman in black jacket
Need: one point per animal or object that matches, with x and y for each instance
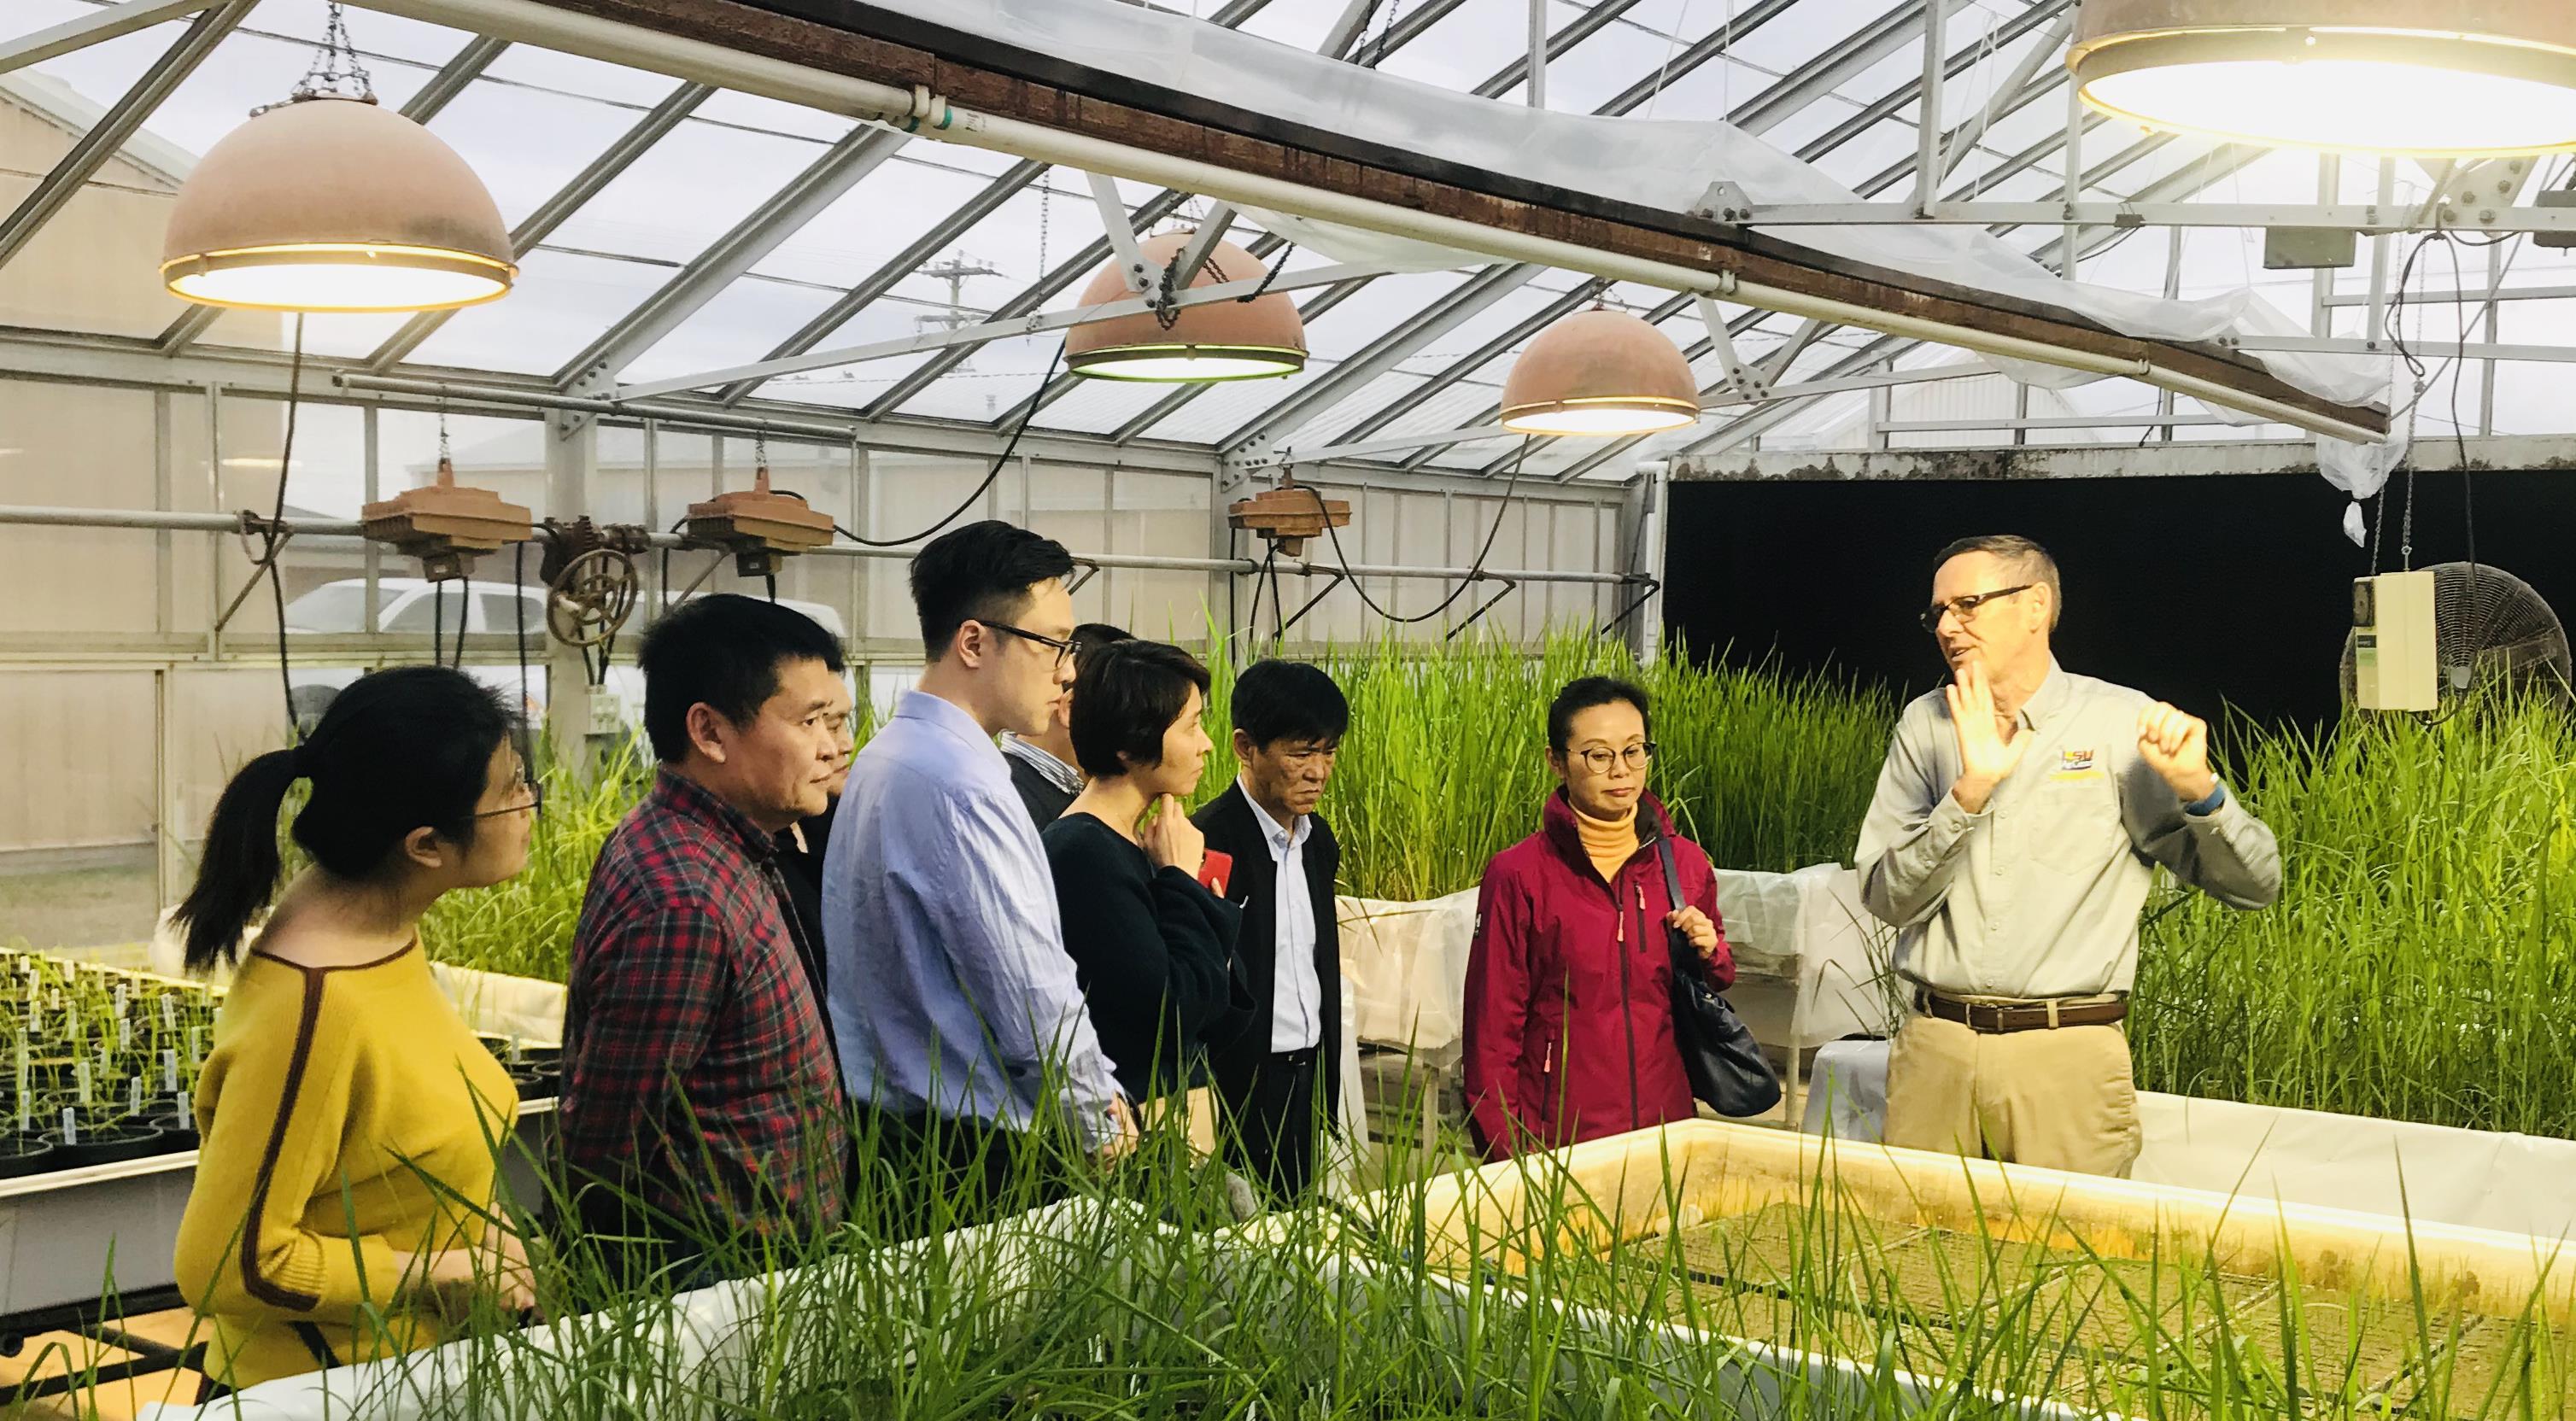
(1152, 948)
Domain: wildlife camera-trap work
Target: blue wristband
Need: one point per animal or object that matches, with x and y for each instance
(2209, 806)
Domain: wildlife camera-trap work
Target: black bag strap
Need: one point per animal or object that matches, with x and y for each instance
(1685, 961)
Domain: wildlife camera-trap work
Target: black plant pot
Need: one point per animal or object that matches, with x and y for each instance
(110, 1144)
(538, 1082)
(176, 1118)
(22, 1155)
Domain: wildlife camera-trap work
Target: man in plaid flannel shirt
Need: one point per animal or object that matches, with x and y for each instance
(701, 1110)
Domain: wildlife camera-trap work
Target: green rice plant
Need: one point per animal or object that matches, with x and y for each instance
(523, 927)
(2421, 962)
(1445, 766)
(1139, 1295)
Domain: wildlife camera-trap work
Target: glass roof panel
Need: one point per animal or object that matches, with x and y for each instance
(1610, 59)
(378, 36)
(846, 387)
(742, 324)
(1463, 49)
(488, 126)
(57, 282)
(1299, 24)
(993, 380)
(874, 221)
(773, 117)
(1453, 407)
(562, 302)
(690, 189)
(1331, 337)
(556, 72)
(1328, 427)
(1100, 406)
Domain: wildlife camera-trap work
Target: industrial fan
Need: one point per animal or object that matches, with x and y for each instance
(2438, 633)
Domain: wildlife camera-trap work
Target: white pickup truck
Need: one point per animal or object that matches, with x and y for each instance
(415, 606)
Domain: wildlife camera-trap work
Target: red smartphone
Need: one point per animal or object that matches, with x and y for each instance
(1216, 871)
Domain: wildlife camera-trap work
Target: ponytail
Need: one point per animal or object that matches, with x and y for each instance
(401, 750)
(237, 876)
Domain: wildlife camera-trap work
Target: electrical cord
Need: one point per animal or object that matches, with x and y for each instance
(1475, 570)
(274, 538)
(1252, 621)
(519, 587)
(1027, 413)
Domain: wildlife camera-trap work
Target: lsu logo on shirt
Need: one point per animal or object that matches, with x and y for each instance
(2076, 765)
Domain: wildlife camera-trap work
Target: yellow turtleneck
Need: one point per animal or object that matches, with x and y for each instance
(1607, 842)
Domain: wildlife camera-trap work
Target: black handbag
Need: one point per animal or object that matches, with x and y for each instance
(1727, 1069)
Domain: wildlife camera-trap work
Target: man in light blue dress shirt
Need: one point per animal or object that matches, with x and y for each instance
(958, 1017)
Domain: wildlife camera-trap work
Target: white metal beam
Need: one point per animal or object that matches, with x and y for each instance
(1740, 23)
(1887, 104)
(2366, 219)
(842, 167)
(2439, 349)
(1185, 269)
(552, 213)
(2194, 178)
(1390, 350)
(1347, 29)
(2193, 458)
(93, 149)
(1115, 225)
(2152, 418)
(993, 330)
(98, 360)
(1928, 161)
(1747, 382)
(82, 31)
(2007, 95)
(1396, 443)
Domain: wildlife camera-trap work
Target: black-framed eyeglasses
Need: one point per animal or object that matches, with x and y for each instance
(535, 803)
(1598, 758)
(1063, 648)
(1966, 606)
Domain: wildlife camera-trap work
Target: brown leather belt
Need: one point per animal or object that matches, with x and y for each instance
(1995, 1018)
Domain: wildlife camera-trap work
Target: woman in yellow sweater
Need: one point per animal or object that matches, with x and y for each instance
(351, 1121)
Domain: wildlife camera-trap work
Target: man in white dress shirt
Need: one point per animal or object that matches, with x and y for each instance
(1276, 1082)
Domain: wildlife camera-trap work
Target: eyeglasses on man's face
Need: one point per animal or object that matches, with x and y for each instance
(1063, 646)
(1599, 758)
(1967, 606)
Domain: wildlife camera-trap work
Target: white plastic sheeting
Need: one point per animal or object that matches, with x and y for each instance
(1810, 961)
(2521, 1184)
(1405, 967)
(1657, 163)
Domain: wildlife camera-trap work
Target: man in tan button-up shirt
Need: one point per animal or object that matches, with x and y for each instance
(2018, 824)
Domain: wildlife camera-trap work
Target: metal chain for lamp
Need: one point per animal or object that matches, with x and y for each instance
(1167, 302)
(335, 65)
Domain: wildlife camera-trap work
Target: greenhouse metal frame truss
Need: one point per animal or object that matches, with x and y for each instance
(1916, 25)
(1396, 413)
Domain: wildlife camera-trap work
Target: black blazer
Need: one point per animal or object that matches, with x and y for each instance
(1233, 826)
(1046, 801)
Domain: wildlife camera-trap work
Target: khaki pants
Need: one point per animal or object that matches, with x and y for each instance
(2061, 1099)
(1201, 1107)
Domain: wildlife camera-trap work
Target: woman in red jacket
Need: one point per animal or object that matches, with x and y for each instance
(1569, 1018)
